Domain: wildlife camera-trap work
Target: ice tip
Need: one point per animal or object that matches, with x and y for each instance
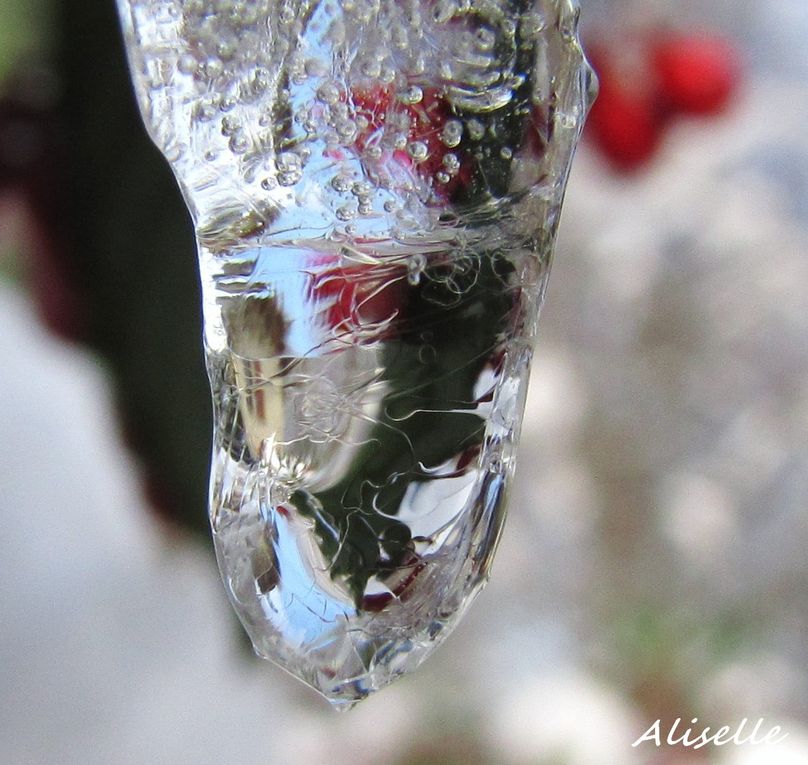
(343, 705)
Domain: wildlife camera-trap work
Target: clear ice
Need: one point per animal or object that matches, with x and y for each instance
(375, 187)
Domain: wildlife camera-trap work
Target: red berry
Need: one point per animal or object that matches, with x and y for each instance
(696, 74)
(625, 122)
(355, 296)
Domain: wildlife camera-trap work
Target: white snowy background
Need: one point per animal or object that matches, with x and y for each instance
(655, 551)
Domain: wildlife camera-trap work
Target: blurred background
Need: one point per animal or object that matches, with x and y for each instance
(654, 562)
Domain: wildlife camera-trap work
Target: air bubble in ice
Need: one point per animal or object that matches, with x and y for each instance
(187, 63)
(451, 163)
(340, 183)
(415, 267)
(328, 92)
(485, 39)
(204, 110)
(230, 125)
(371, 67)
(412, 95)
(289, 167)
(213, 68)
(452, 133)
(346, 212)
(361, 189)
(418, 150)
(226, 50)
(260, 81)
(445, 10)
(315, 67)
(533, 24)
(476, 129)
(239, 143)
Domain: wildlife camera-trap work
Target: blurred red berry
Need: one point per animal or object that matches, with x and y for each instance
(625, 121)
(696, 74)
